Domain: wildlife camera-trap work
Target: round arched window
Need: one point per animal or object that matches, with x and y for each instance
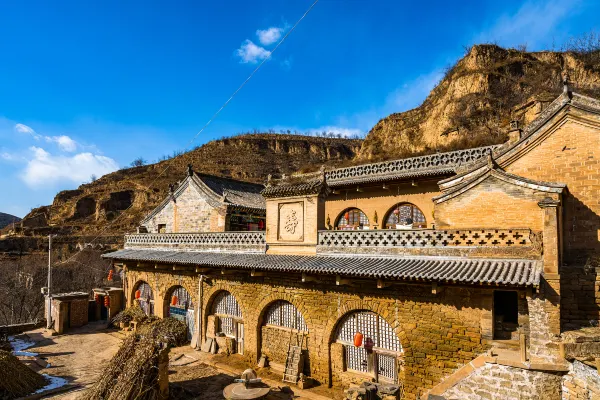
(405, 216)
(352, 218)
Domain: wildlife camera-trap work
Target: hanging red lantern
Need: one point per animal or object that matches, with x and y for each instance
(261, 224)
(110, 275)
(347, 216)
(174, 300)
(138, 294)
(358, 339)
(97, 298)
(106, 301)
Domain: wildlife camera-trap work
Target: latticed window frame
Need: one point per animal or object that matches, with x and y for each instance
(184, 299)
(414, 212)
(356, 218)
(285, 315)
(373, 326)
(226, 304)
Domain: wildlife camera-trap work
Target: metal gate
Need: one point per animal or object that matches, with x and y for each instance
(146, 298)
(181, 307)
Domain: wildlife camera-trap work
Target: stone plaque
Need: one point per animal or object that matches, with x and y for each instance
(291, 222)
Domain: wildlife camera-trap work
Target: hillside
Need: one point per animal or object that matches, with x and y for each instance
(94, 206)
(6, 219)
(474, 102)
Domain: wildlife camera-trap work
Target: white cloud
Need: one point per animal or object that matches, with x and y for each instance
(65, 143)
(46, 169)
(22, 128)
(533, 24)
(251, 53)
(269, 36)
(7, 156)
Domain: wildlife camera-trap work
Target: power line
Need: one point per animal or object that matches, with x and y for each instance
(211, 119)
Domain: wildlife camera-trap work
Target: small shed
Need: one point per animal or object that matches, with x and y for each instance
(69, 310)
(107, 303)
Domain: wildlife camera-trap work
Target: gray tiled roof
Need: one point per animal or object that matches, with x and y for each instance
(459, 270)
(404, 168)
(235, 192)
(296, 187)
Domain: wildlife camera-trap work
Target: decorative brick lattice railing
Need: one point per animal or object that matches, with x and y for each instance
(208, 241)
(426, 238)
(434, 161)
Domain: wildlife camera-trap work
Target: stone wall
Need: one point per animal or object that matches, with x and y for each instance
(580, 297)
(438, 332)
(582, 382)
(494, 381)
(191, 213)
(79, 313)
(275, 341)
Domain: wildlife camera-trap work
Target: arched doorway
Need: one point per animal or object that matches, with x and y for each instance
(145, 298)
(379, 353)
(179, 305)
(282, 326)
(228, 318)
(405, 216)
(352, 219)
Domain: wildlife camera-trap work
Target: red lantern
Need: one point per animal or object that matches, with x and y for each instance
(358, 339)
(106, 301)
(261, 224)
(97, 298)
(347, 216)
(174, 300)
(138, 294)
(110, 275)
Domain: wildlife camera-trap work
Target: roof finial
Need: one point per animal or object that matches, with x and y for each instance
(490, 161)
(322, 172)
(566, 81)
(190, 170)
(269, 179)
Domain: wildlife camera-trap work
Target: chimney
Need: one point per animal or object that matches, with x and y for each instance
(514, 133)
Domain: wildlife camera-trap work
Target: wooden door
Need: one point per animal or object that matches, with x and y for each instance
(240, 338)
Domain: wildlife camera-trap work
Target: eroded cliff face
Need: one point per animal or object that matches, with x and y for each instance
(473, 104)
(98, 207)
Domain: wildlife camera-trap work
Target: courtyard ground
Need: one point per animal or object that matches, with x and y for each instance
(80, 356)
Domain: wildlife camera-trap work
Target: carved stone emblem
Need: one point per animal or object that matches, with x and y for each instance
(291, 222)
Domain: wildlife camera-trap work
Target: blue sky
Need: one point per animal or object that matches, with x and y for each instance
(86, 87)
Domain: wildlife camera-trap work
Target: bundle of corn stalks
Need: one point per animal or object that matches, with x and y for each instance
(16, 379)
(134, 313)
(168, 330)
(131, 374)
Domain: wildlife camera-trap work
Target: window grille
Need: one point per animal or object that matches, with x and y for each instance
(184, 299)
(352, 218)
(376, 331)
(226, 304)
(406, 214)
(356, 359)
(226, 325)
(386, 366)
(285, 314)
(146, 300)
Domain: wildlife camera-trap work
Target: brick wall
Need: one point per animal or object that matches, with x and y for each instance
(438, 333)
(571, 155)
(581, 383)
(375, 199)
(492, 204)
(275, 341)
(79, 312)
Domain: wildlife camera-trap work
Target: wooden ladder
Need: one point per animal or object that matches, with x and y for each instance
(292, 364)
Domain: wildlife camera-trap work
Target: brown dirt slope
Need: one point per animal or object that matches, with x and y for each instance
(251, 157)
(6, 219)
(472, 105)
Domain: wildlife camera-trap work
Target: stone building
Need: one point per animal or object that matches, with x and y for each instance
(206, 203)
(461, 270)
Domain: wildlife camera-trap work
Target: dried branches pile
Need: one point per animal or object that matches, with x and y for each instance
(131, 374)
(16, 379)
(168, 330)
(134, 313)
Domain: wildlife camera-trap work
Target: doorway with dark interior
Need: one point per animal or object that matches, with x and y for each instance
(506, 315)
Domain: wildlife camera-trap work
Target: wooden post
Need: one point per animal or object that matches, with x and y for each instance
(163, 373)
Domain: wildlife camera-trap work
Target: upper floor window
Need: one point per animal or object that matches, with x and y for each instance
(162, 228)
(353, 218)
(405, 216)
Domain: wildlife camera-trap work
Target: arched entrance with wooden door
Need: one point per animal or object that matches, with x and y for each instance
(142, 293)
(179, 305)
(228, 318)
